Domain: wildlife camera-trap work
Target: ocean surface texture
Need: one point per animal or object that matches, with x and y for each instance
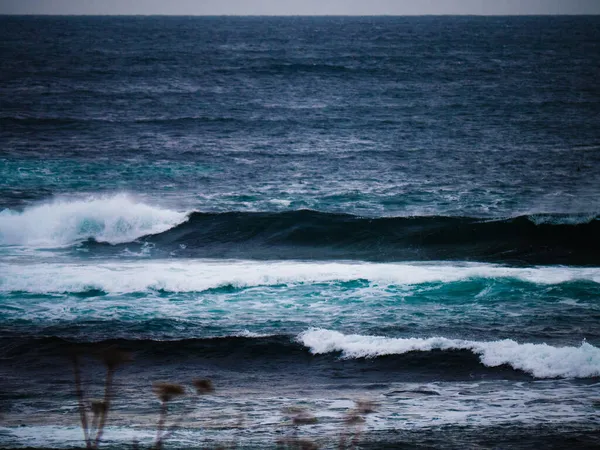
(309, 212)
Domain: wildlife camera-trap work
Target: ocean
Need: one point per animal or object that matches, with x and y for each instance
(367, 232)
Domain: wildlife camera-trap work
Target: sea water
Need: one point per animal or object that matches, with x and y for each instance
(308, 212)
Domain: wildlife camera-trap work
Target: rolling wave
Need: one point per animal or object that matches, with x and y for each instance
(304, 234)
(539, 360)
(324, 349)
(114, 220)
(123, 223)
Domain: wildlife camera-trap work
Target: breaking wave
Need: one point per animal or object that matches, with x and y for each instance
(436, 358)
(119, 223)
(539, 360)
(114, 220)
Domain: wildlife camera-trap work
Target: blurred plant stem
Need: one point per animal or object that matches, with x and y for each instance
(80, 401)
(111, 358)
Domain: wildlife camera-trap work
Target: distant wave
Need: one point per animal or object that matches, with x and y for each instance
(297, 68)
(114, 219)
(539, 360)
(61, 121)
(25, 121)
(193, 275)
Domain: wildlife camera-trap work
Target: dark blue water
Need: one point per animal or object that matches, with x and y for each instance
(308, 211)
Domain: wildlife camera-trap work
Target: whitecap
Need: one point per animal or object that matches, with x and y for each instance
(113, 219)
(539, 360)
(196, 275)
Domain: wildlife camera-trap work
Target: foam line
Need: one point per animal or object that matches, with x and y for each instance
(196, 275)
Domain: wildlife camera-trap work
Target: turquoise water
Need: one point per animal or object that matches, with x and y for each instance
(308, 211)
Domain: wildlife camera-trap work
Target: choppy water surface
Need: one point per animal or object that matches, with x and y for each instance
(310, 212)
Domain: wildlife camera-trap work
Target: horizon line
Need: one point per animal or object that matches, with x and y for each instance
(297, 15)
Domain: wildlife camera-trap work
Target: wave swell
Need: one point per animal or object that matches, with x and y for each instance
(317, 351)
(125, 224)
(540, 239)
(539, 360)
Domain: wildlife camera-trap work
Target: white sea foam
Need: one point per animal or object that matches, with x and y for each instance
(251, 334)
(539, 360)
(113, 219)
(562, 219)
(57, 436)
(198, 275)
(281, 203)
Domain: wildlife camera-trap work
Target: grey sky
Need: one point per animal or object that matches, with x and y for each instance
(300, 7)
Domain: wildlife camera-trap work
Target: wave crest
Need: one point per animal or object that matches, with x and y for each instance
(539, 360)
(115, 219)
(300, 235)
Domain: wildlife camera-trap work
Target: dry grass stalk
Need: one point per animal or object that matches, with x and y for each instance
(80, 398)
(203, 386)
(111, 358)
(365, 406)
(299, 416)
(296, 444)
(165, 393)
(98, 408)
(354, 423)
(304, 419)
